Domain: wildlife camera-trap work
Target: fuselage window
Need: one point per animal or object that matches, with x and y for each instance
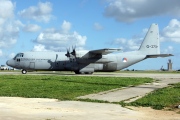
(18, 60)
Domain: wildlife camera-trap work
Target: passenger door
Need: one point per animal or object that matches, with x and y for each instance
(32, 65)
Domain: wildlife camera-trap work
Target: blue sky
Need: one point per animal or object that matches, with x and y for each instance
(55, 25)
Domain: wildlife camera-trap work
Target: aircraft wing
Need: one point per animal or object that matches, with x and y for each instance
(158, 55)
(104, 51)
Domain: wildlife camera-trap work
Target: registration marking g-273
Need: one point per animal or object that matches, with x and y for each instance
(151, 46)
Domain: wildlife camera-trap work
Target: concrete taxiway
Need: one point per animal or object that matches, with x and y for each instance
(13, 108)
(130, 94)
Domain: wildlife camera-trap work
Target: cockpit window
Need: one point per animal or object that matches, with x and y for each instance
(19, 55)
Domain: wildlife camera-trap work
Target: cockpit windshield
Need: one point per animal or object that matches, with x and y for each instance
(19, 55)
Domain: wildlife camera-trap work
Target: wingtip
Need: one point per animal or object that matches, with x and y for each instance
(171, 55)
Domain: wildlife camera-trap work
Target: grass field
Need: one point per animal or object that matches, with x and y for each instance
(61, 87)
(70, 87)
(162, 98)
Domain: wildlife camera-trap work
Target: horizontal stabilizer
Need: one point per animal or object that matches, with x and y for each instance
(158, 55)
(104, 51)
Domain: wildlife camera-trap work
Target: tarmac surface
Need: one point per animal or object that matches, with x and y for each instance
(16, 108)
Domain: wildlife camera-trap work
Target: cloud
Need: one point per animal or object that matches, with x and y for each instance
(39, 47)
(6, 9)
(31, 28)
(9, 32)
(9, 28)
(131, 44)
(41, 12)
(55, 39)
(66, 26)
(98, 26)
(127, 44)
(131, 10)
(168, 50)
(172, 31)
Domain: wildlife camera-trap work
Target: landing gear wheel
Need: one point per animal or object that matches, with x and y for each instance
(24, 71)
(77, 72)
(88, 72)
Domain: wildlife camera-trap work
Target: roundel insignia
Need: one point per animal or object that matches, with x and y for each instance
(124, 59)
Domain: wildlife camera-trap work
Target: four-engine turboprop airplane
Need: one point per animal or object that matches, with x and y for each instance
(91, 61)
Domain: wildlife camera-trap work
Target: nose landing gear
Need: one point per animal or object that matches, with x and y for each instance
(24, 71)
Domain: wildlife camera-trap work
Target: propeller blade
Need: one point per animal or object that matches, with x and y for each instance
(68, 53)
(73, 51)
(56, 56)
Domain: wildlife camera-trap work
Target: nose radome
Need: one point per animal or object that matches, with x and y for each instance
(9, 63)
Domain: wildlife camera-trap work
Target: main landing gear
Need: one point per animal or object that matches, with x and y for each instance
(77, 72)
(24, 71)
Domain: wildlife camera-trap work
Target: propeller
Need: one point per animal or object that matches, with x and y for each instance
(73, 51)
(68, 53)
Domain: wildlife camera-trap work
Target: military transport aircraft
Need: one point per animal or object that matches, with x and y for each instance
(91, 61)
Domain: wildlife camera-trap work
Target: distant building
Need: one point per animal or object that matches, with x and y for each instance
(169, 65)
(3, 67)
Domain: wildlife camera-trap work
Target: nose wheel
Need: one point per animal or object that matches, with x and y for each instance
(24, 71)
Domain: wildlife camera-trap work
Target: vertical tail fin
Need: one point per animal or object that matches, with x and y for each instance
(150, 44)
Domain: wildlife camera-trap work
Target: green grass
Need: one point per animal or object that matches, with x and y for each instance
(70, 87)
(61, 87)
(159, 99)
(150, 72)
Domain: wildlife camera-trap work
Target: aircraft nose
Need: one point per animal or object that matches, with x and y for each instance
(9, 63)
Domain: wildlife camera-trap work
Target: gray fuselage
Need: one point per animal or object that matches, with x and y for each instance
(57, 61)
